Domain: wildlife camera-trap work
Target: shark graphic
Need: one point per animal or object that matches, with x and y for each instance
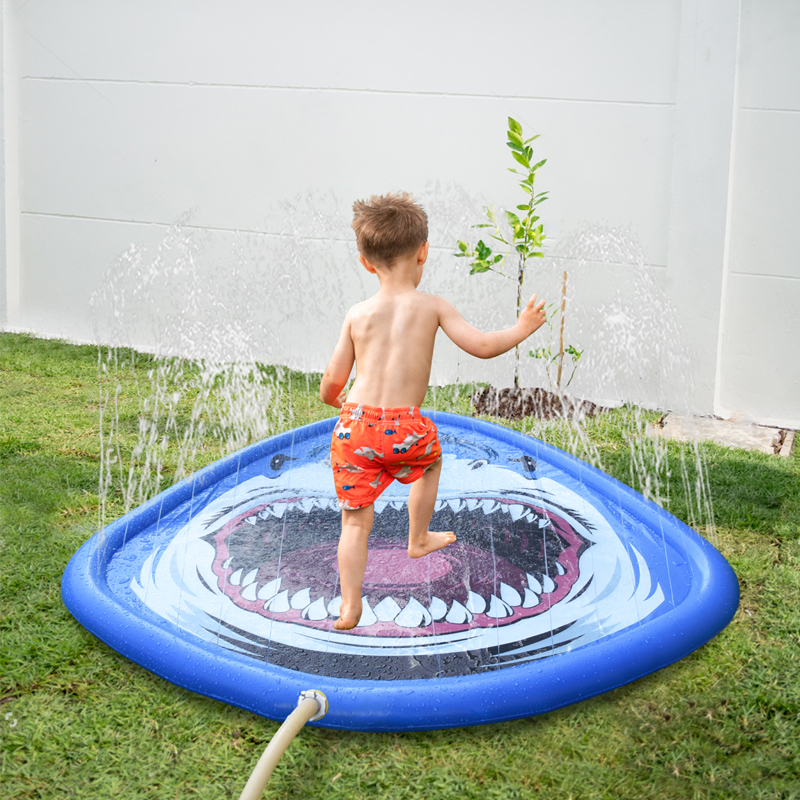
(537, 570)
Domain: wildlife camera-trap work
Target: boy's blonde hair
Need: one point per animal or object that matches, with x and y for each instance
(389, 226)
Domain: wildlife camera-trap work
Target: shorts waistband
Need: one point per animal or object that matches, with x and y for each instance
(378, 413)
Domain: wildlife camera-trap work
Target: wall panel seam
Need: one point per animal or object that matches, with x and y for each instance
(348, 90)
(766, 275)
(771, 110)
(253, 231)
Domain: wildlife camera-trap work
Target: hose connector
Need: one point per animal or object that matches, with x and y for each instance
(322, 701)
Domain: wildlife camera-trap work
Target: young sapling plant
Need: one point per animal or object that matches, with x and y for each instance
(522, 234)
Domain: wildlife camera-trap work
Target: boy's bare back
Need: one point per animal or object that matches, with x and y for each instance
(391, 335)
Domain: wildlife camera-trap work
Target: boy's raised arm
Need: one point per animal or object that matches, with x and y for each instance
(337, 373)
(494, 343)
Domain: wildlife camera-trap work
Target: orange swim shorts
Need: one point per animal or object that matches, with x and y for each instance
(372, 446)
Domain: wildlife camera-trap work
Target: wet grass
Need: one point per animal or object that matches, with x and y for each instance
(79, 721)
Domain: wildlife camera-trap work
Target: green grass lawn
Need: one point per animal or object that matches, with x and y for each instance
(78, 720)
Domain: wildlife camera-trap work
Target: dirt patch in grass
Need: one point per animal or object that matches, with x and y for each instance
(519, 403)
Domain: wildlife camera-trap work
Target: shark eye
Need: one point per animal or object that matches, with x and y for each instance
(277, 461)
(478, 463)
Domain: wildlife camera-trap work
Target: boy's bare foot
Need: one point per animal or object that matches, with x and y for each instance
(434, 540)
(348, 618)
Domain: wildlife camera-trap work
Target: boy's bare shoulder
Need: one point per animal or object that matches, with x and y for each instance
(437, 304)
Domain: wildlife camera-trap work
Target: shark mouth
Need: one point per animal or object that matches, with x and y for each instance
(516, 556)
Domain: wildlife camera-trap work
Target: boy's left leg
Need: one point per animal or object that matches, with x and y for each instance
(352, 553)
(421, 501)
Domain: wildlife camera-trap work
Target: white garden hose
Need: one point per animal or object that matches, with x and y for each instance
(311, 706)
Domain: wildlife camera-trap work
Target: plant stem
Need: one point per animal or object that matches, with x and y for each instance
(520, 279)
(561, 334)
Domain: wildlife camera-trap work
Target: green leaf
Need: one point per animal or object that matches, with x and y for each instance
(477, 268)
(529, 153)
(532, 139)
(542, 352)
(521, 159)
(573, 351)
(523, 208)
(515, 138)
(516, 147)
(514, 126)
(525, 188)
(463, 246)
(540, 164)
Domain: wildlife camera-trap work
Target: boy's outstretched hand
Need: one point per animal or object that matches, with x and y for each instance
(532, 317)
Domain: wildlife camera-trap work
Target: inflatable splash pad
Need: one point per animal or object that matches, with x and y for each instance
(563, 584)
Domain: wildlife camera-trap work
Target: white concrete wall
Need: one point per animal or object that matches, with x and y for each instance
(266, 120)
(759, 361)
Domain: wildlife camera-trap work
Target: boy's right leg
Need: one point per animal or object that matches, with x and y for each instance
(352, 553)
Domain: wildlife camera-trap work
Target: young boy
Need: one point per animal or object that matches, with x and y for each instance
(380, 435)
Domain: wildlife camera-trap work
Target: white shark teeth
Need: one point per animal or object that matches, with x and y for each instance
(438, 608)
(458, 614)
(227, 562)
(440, 504)
(498, 609)
(531, 599)
(249, 592)
(380, 506)
(387, 609)
(414, 615)
(316, 611)
(475, 603)
(489, 506)
(269, 589)
(250, 577)
(472, 503)
(306, 504)
(544, 587)
(456, 504)
(509, 595)
(534, 583)
(279, 604)
(516, 511)
(367, 615)
(560, 568)
(236, 578)
(301, 599)
(544, 522)
(249, 584)
(334, 606)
